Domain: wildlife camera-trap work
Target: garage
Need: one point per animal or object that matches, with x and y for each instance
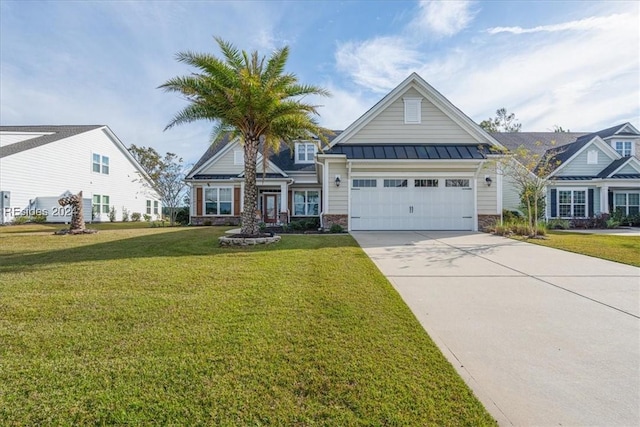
(412, 203)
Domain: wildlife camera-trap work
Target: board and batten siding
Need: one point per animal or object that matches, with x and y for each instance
(579, 166)
(389, 126)
(338, 196)
(50, 170)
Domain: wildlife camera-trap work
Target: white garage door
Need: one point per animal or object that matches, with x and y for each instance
(411, 204)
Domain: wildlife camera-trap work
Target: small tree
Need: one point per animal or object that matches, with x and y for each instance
(529, 171)
(167, 174)
(502, 122)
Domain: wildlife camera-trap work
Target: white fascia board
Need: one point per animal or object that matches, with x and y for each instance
(596, 140)
(469, 173)
(127, 154)
(630, 127)
(391, 162)
(216, 156)
(632, 161)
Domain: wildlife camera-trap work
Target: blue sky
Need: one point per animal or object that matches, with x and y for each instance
(572, 64)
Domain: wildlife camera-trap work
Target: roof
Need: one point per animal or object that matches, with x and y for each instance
(606, 133)
(613, 166)
(56, 133)
(536, 142)
(410, 151)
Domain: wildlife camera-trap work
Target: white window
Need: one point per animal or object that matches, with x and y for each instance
(238, 157)
(218, 201)
(627, 203)
(412, 110)
(156, 206)
(624, 148)
(100, 164)
(425, 183)
(305, 151)
(306, 203)
(572, 203)
(100, 204)
(148, 207)
(456, 183)
(359, 183)
(592, 157)
(395, 182)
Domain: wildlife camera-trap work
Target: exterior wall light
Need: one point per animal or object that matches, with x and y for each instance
(488, 180)
(338, 181)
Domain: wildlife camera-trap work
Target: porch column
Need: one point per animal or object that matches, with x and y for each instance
(604, 199)
(284, 198)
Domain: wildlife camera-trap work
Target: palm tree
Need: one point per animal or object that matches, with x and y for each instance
(252, 98)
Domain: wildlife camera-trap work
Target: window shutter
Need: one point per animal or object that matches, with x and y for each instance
(199, 201)
(610, 201)
(554, 203)
(590, 196)
(236, 201)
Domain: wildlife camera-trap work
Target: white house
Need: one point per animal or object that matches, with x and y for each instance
(40, 164)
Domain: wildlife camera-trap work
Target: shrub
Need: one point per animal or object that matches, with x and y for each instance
(336, 228)
(125, 215)
(39, 218)
(510, 216)
(613, 223)
(558, 224)
(19, 220)
(135, 217)
(146, 217)
(207, 222)
(112, 214)
(296, 225)
(182, 216)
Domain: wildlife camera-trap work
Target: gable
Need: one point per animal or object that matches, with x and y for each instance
(580, 165)
(225, 163)
(628, 169)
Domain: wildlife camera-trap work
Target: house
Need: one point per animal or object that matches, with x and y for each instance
(413, 161)
(595, 173)
(40, 164)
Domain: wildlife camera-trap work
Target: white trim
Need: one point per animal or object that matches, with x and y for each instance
(627, 192)
(349, 177)
(601, 143)
(629, 161)
(306, 191)
(412, 174)
(307, 161)
(325, 186)
(204, 199)
(630, 141)
(412, 106)
(499, 189)
(238, 157)
(572, 189)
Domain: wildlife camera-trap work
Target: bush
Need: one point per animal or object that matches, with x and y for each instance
(558, 224)
(296, 225)
(146, 217)
(135, 217)
(125, 215)
(336, 228)
(39, 218)
(19, 220)
(511, 216)
(182, 216)
(112, 214)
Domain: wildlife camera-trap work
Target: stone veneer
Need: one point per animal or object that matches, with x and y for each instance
(215, 220)
(486, 222)
(328, 220)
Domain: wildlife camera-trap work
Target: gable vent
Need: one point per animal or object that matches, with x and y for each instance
(412, 110)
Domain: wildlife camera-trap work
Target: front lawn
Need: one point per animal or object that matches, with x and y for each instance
(159, 326)
(624, 249)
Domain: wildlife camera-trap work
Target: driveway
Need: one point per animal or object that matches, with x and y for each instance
(542, 336)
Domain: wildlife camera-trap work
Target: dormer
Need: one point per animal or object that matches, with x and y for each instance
(305, 152)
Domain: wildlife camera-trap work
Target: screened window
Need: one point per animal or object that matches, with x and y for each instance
(624, 148)
(395, 182)
(359, 183)
(306, 203)
(100, 164)
(425, 183)
(305, 151)
(627, 203)
(456, 183)
(217, 201)
(100, 203)
(572, 203)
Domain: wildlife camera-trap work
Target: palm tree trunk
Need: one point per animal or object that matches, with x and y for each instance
(249, 220)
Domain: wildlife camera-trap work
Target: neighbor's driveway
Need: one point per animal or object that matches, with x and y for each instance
(542, 336)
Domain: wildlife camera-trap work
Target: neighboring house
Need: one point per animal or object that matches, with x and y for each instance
(596, 173)
(40, 164)
(413, 161)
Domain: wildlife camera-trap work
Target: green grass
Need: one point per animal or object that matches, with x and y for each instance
(624, 249)
(160, 326)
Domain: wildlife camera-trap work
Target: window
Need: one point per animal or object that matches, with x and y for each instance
(359, 183)
(306, 203)
(425, 183)
(456, 183)
(412, 113)
(217, 201)
(156, 204)
(100, 204)
(627, 203)
(238, 157)
(148, 207)
(592, 157)
(100, 164)
(395, 182)
(572, 203)
(305, 151)
(624, 148)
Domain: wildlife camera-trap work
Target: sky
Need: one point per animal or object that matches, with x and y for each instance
(574, 64)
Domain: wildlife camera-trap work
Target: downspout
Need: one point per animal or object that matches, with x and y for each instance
(475, 195)
(324, 194)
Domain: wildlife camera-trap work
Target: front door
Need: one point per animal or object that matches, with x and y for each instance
(270, 208)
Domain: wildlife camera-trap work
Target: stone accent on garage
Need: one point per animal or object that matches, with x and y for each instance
(215, 220)
(486, 222)
(330, 219)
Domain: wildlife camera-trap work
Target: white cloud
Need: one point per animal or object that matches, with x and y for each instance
(443, 18)
(592, 23)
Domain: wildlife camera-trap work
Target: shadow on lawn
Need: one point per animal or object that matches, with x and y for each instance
(172, 243)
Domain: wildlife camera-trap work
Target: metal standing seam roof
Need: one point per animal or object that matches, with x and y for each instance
(56, 133)
(411, 151)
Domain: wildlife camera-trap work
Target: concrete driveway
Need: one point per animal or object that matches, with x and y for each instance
(542, 336)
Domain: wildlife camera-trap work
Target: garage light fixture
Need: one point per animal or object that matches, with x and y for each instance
(488, 180)
(337, 180)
